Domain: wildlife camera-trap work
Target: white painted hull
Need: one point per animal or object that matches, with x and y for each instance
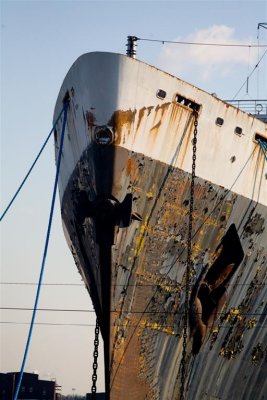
(143, 265)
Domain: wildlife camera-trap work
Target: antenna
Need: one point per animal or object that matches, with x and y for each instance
(260, 25)
(131, 46)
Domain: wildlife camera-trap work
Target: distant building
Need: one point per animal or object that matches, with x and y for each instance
(98, 396)
(31, 387)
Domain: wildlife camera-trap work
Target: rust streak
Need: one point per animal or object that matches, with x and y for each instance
(155, 128)
(132, 169)
(119, 120)
(140, 116)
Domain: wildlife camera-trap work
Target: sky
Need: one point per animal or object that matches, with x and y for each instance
(39, 42)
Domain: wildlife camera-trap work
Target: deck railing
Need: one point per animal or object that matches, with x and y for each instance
(254, 107)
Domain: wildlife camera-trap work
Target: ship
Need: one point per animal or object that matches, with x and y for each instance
(163, 193)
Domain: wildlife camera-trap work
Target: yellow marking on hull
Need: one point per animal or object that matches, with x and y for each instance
(157, 327)
(149, 277)
(140, 240)
(150, 195)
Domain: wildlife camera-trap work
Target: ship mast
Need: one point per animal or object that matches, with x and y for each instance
(131, 46)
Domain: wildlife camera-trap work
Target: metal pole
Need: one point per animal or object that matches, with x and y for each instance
(131, 46)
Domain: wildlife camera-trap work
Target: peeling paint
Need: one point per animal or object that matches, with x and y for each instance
(138, 284)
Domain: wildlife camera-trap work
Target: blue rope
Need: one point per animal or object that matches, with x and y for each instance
(263, 146)
(33, 164)
(65, 108)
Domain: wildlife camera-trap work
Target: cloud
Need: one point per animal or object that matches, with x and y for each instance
(208, 61)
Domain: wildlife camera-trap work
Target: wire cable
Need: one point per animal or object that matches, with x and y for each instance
(31, 168)
(137, 325)
(202, 43)
(256, 66)
(45, 323)
(117, 311)
(138, 284)
(43, 284)
(65, 108)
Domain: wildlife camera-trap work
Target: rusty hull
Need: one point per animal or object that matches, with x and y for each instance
(136, 274)
(143, 333)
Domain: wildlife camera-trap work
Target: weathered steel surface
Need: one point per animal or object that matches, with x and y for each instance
(148, 264)
(111, 89)
(135, 274)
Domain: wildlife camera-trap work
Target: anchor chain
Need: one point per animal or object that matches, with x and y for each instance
(95, 364)
(188, 263)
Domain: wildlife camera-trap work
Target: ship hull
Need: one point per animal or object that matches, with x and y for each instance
(125, 211)
(143, 271)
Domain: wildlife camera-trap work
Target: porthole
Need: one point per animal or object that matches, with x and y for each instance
(219, 121)
(161, 94)
(103, 135)
(238, 130)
